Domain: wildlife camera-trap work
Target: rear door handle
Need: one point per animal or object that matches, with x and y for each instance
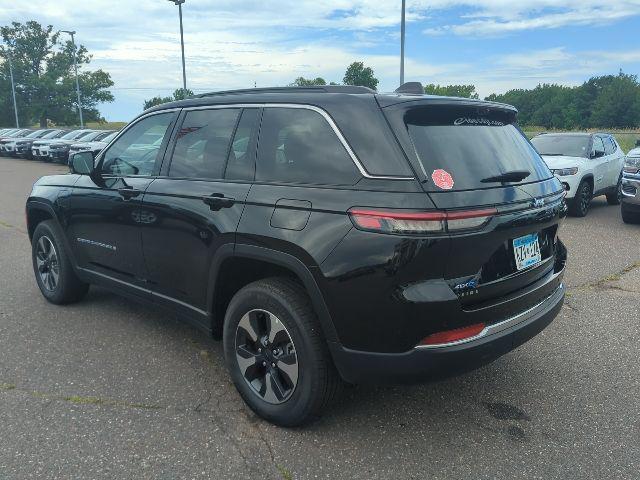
(129, 192)
(218, 201)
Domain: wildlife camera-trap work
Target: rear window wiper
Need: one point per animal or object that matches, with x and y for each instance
(514, 176)
(552, 154)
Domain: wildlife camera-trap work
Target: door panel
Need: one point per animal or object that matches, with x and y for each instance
(193, 210)
(186, 232)
(103, 212)
(600, 166)
(103, 225)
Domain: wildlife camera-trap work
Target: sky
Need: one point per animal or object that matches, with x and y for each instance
(497, 45)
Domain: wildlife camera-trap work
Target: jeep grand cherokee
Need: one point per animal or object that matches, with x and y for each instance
(326, 234)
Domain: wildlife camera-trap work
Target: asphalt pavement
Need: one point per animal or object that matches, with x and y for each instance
(108, 388)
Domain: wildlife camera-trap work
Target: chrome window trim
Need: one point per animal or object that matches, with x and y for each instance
(313, 108)
(496, 327)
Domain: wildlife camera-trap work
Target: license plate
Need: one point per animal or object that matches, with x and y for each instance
(526, 251)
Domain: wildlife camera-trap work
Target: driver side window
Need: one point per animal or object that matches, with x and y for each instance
(136, 151)
(598, 146)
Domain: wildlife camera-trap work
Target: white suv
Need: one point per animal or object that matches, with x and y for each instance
(587, 164)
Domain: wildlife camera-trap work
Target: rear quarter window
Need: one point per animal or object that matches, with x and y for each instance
(471, 144)
(298, 145)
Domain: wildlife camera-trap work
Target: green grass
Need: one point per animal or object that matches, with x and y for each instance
(105, 125)
(626, 138)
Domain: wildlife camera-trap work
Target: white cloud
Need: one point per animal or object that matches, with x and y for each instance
(499, 17)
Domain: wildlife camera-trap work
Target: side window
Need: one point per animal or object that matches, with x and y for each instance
(598, 145)
(614, 145)
(136, 151)
(608, 145)
(202, 144)
(240, 164)
(299, 146)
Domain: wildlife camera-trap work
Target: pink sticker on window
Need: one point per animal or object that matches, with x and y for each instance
(442, 179)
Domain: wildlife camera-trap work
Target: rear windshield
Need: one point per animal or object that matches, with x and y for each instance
(459, 147)
(567, 145)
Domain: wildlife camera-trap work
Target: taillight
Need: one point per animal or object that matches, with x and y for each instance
(631, 169)
(452, 336)
(399, 221)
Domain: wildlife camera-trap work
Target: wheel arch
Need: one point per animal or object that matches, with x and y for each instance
(232, 262)
(36, 213)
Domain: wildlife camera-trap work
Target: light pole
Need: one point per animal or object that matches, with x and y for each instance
(75, 65)
(184, 71)
(402, 45)
(13, 90)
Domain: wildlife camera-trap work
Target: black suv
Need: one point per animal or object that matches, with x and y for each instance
(326, 234)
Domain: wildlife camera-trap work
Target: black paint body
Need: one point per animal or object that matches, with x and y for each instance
(377, 295)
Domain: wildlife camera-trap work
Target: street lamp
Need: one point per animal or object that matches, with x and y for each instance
(184, 72)
(402, 45)
(13, 89)
(75, 65)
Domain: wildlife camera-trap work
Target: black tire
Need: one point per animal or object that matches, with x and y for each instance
(628, 216)
(579, 206)
(61, 285)
(614, 198)
(316, 380)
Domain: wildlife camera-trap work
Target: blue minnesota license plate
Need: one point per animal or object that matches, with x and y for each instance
(527, 251)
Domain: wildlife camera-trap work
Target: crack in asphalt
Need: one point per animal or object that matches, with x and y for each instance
(604, 282)
(13, 227)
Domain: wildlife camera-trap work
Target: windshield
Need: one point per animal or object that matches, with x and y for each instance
(36, 134)
(109, 137)
(17, 133)
(567, 145)
(89, 136)
(52, 134)
(459, 147)
(74, 134)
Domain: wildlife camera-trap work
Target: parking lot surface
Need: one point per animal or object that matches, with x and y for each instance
(108, 388)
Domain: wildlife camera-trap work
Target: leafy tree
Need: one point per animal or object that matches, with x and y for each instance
(618, 103)
(179, 94)
(45, 77)
(358, 74)
(308, 82)
(464, 91)
(609, 101)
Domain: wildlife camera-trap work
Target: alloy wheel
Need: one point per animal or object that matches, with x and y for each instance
(585, 198)
(47, 263)
(266, 356)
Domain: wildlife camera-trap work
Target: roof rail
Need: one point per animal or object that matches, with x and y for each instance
(312, 89)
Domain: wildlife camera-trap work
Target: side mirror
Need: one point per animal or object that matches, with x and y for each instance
(81, 163)
(597, 154)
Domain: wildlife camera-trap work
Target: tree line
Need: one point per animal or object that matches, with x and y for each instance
(608, 101)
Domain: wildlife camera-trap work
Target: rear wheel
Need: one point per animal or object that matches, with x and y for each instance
(614, 198)
(276, 354)
(54, 273)
(628, 216)
(582, 201)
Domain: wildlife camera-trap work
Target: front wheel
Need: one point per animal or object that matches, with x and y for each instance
(580, 204)
(276, 354)
(628, 216)
(54, 273)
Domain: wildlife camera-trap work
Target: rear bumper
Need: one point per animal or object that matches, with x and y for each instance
(422, 364)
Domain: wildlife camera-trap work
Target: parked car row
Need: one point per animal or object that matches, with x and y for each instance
(590, 165)
(52, 144)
